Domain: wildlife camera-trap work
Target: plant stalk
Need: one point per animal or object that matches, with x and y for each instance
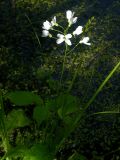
(63, 67)
(5, 140)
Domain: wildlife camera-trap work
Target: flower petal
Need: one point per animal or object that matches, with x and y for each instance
(85, 41)
(53, 22)
(60, 40)
(68, 36)
(54, 19)
(45, 33)
(68, 42)
(75, 20)
(78, 30)
(88, 44)
(46, 25)
(60, 35)
(69, 14)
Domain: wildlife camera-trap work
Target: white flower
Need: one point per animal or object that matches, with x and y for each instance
(45, 33)
(47, 25)
(53, 22)
(85, 41)
(78, 30)
(62, 38)
(71, 19)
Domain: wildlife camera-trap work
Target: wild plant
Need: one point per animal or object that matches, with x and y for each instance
(55, 118)
(64, 35)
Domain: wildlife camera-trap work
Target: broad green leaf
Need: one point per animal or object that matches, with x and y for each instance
(15, 119)
(51, 105)
(1, 121)
(38, 152)
(40, 114)
(16, 152)
(68, 110)
(67, 105)
(23, 98)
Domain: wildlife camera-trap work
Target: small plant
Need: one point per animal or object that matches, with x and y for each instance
(63, 35)
(54, 118)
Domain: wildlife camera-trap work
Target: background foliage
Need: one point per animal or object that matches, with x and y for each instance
(27, 63)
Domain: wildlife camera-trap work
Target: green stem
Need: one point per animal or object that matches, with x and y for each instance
(97, 91)
(63, 67)
(101, 86)
(57, 30)
(66, 30)
(61, 27)
(53, 37)
(36, 35)
(76, 72)
(73, 79)
(2, 114)
(90, 101)
(73, 48)
(5, 140)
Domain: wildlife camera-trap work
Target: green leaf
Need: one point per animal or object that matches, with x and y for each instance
(38, 152)
(51, 105)
(15, 119)
(23, 98)
(67, 105)
(40, 114)
(19, 151)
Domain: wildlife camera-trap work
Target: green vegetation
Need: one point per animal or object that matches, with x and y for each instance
(57, 102)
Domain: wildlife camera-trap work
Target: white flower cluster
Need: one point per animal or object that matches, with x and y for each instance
(64, 37)
(47, 26)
